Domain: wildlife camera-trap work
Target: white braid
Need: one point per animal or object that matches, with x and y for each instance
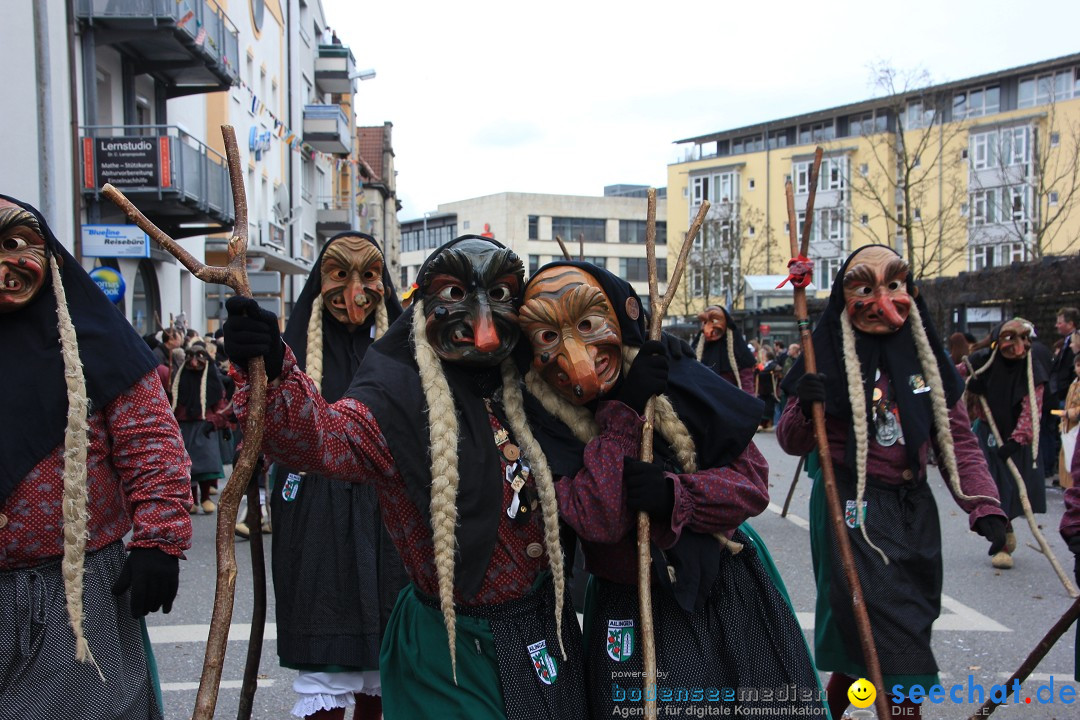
(545, 484)
(701, 347)
(202, 389)
(578, 419)
(313, 360)
(731, 358)
(859, 422)
(443, 439)
(937, 399)
(382, 320)
(75, 491)
(667, 421)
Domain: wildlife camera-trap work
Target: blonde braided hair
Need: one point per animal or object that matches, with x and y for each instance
(202, 389)
(730, 353)
(443, 437)
(313, 358)
(514, 404)
(75, 491)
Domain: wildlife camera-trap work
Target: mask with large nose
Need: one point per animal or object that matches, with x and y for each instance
(23, 257)
(352, 284)
(713, 323)
(469, 291)
(574, 331)
(875, 291)
(1014, 339)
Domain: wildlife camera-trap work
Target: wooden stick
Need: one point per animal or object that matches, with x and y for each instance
(1036, 656)
(258, 619)
(1021, 490)
(794, 482)
(657, 308)
(562, 246)
(836, 512)
(234, 274)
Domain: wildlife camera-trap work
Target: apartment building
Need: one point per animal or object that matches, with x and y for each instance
(958, 176)
(378, 200)
(134, 93)
(606, 230)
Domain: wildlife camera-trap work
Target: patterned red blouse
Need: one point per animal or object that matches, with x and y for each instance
(138, 474)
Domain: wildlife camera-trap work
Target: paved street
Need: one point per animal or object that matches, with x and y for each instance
(990, 620)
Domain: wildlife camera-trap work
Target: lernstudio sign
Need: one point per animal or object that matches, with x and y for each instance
(127, 162)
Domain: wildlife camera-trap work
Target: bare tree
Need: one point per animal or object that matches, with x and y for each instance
(1025, 180)
(911, 179)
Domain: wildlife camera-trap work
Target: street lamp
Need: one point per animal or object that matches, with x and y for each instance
(363, 74)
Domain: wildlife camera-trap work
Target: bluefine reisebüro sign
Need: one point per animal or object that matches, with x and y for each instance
(127, 162)
(114, 241)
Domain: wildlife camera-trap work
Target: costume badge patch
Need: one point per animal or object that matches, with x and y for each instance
(291, 487)
(918, 384)
(543, 663)
(851, 519)
(620, 639)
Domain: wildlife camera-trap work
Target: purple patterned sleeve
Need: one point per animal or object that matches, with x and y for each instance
(971, 463)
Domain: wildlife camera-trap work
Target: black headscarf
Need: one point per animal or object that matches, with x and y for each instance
(721, 419)
(715, 355)
(1007, 385)
(342, 350)
(389, 385)
(189, 392)
(34, 413)
(894, 354)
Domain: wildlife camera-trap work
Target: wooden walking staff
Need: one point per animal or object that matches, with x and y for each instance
(836, 512)
(234, 274)
(1021, 490)
(791, 490)
(657, 308)
(1035, 657)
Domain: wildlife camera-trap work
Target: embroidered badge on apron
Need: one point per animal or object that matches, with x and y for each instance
(291, 487)
(620, 639)
(851, 519)
(543, 663)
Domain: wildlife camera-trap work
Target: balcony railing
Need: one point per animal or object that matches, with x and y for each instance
(162, 34)
(333, 215)
(333, 66)
(326, 128)
(174, 173)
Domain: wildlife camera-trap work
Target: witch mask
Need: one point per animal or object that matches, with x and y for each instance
(469, 292)
(574, 331)
(352, 285)
(875, 291)
(713, 323)
(1014, 339)
(23, 258)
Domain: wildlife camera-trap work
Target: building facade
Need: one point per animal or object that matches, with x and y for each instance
(608, 231)
(959, 176)
(134, 93)
(378, 200)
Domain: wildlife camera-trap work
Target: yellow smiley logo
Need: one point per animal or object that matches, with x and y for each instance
(862, 693)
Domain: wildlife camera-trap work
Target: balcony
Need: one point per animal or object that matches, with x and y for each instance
(191, 46)
(175, 179)
(326, 128)
(333, 66)
(332, 216)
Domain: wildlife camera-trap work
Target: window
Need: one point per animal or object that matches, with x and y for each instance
(830, 225)
(817, 132)
(751, 143)
(1017, 196)
(637, 269)
(534, 264)
(825, 270)
(983, 205)
(1045, 89)
(404, 278)
(1052, 198)
(832, 176)
(750, 184)
(1014, 146)
(597, 260)
(864, 219)
(918, 215)
(982, 256)
(1055, 139)
(917, 117)
(465, 225)
(307, 247)
(632, 232)
(983, 150)
(779, 138)
(716, 188)
(571, 229)
(861, 124)
(976, 103)
(534, 227)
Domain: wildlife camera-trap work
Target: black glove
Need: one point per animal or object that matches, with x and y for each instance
(226, 434)
(648, 376)
(1007, 449)
(992, 527)
(810, 389)
(648, 490)
(1074, 546)
(153, 576)
(977, 384)
(208, 428)
(676, 347)
(251, 331)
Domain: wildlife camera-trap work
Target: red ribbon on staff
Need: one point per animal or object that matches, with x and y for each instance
(800, 272)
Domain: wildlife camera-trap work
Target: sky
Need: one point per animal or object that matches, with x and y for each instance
(566, 97)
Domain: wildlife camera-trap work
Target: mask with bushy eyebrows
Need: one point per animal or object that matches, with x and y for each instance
(23, 257)
(1014, 339)
(469, 292)
(713, 323)
(352, 285)
(574, 331)
(875, 291)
